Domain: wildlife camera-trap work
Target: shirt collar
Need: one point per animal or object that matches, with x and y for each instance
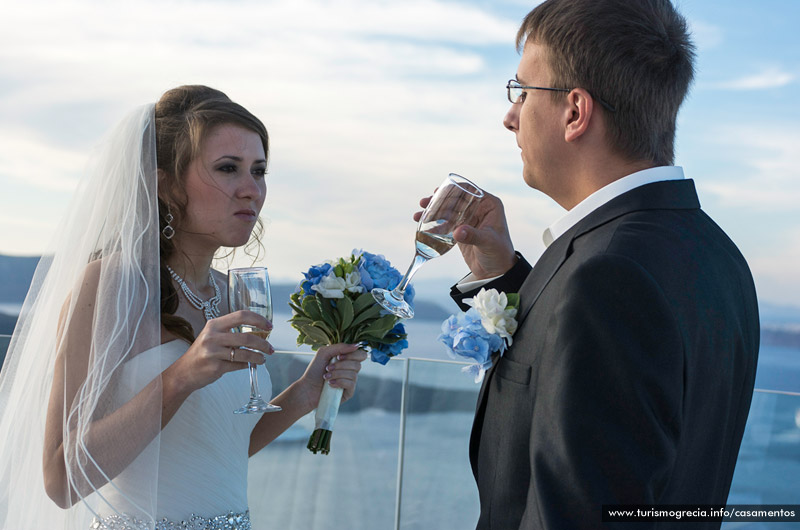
(607, 193)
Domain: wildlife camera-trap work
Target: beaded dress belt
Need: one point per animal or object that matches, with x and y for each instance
(228, 521)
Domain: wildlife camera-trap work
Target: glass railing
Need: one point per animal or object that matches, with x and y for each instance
(399, 453)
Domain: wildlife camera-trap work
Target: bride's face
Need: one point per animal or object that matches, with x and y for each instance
(226, 188)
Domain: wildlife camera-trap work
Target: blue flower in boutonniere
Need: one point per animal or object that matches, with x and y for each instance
(486, 328)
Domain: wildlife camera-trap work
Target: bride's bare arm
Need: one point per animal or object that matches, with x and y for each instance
(115, 439)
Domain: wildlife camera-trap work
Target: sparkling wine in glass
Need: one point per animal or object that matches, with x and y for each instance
(451, 206)
(249, 289)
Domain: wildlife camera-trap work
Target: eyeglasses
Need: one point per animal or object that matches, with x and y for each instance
(515, 92)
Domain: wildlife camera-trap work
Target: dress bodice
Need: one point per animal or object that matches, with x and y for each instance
(202, 451)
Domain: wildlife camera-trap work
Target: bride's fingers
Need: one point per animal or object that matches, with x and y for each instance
(232, 367)
(239, 318)
(248, 340)
(344, 373)
(348, 385)
(358, 356)
(342, 370)
(335, 352)
(238, 356)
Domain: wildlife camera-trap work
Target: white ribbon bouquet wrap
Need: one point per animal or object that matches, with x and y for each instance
(333, 304)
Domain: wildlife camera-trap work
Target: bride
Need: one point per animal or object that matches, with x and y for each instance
(117, 395)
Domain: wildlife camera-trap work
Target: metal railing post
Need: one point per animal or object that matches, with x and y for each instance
(402, 446)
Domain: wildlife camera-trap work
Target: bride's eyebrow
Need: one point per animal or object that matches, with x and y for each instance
(230, 157)
(238, 159)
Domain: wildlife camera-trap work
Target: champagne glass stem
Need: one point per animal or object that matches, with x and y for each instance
(254, 393)
(419, 260)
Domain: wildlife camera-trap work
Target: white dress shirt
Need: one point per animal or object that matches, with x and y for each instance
(587, 206)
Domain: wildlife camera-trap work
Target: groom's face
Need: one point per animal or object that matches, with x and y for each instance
(536, 121)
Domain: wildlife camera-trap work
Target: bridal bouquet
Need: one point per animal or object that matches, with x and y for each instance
(333, 304)
(487, 327)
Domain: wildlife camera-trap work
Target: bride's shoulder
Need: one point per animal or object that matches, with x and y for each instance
(90, 279)
(108, 272)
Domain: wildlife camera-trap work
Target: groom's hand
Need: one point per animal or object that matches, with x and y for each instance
(486, 245)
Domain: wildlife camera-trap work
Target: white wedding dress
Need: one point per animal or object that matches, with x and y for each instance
(202, 461)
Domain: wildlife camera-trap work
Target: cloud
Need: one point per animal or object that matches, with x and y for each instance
(770, 78)
(766, 160)
(775, 270)
(705, 35)
(25, 157)
(369, 104)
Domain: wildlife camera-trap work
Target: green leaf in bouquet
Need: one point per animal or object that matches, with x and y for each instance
(367, 314)
(345, 309)
(296, 303)
(381, 326)
(296, 298)
(298, 320)
(363, 301)
(328, 312)
(311, 308)
(373, 340)
(317, 332)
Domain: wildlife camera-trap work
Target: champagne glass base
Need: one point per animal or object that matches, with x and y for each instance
(257, 406)
(392, 303)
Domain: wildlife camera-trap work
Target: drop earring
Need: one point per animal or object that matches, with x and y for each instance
(168, 231)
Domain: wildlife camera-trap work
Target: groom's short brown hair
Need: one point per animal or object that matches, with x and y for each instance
(636, 55)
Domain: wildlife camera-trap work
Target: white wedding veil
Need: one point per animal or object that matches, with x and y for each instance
(94, 304)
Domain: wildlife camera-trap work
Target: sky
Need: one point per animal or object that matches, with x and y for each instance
(370, 104)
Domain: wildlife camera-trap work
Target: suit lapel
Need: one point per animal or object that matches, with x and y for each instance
(529, 292)
(542, 273)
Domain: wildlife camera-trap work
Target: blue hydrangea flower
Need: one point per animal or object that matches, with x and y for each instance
(377, 271)
(384, 352)
(313, 277)
(464, 336)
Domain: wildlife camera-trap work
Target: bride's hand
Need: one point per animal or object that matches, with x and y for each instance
(209, 357)
(338, 364)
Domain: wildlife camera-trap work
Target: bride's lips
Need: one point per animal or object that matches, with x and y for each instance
(246, 215)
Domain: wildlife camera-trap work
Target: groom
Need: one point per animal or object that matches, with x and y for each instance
(631, 373)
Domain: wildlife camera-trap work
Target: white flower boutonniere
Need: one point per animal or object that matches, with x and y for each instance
(487, 327)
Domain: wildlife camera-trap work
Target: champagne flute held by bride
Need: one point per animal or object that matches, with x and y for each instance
(249, 289)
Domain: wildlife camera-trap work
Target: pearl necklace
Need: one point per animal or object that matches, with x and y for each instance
(210, 307)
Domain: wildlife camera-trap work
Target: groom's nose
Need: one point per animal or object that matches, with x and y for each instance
(511, 119)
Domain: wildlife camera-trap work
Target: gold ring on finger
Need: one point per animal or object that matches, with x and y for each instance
(232, 353)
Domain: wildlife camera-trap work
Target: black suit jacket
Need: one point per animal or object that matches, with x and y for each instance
(631, 373)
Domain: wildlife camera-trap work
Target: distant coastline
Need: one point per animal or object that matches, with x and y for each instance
(787, 337)
(780, 324)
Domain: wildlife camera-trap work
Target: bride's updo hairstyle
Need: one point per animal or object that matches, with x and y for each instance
(184, 117)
